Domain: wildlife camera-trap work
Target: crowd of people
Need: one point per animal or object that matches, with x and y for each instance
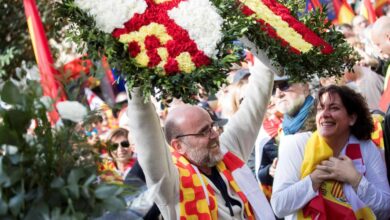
(263, 147)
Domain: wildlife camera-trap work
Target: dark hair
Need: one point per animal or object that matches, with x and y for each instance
(356, 104)
(119, 132)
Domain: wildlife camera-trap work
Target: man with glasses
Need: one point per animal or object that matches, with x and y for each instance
(197, 172)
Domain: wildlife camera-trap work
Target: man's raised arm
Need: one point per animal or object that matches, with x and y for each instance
(152, 150)
(242, 129)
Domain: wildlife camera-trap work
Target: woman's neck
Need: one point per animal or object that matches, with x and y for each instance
(337, 144)
(122, 166)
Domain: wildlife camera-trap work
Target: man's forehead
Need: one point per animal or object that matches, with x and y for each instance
(188, 114)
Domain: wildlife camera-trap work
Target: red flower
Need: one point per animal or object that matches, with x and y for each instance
(247, 11)
(152, 42)
(134, 49)
(171, 67)
(181, 42)
(154, 58)
(201, 60)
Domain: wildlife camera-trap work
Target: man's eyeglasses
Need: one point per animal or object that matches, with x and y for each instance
(124, 144)
(204, 133)
(282, 86)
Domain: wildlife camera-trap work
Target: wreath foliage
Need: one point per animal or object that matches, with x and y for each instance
(97, 44)
(300, 67)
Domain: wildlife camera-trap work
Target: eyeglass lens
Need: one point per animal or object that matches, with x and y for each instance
(282, 86)
(124, 144)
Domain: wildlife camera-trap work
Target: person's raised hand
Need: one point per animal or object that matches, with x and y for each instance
(272, 168)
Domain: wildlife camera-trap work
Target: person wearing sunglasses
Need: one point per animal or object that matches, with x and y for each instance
(121, 150)
(294, 102)
(196, 171)
(125, 169)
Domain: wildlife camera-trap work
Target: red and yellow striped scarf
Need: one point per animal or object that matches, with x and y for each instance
(197, 198)
(331, 201)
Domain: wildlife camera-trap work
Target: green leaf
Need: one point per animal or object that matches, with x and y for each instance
(16, 175)
(5, 181)
(114, 204)
(73, 190)
(105, 191)
(3, 207)
(18, 119)
(75, 175)
(15, 203)
(10, 93)
(57, 183)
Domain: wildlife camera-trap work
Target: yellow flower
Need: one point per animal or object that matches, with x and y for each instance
(153, 29)
(282, 28)
(185, 62)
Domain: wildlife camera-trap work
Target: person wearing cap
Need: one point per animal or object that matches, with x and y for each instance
(296, 104)
(234, 93)
(196, 171)
(219, 122)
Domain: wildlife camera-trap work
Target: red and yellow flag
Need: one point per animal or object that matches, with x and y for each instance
(367, 11)
(379, 6)
(344, 12)
(43, 57)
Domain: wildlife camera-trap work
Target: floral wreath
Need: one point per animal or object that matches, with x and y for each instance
(169, 47)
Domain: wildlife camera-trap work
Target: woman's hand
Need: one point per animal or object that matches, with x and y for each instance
(341, 169)
(317, 177)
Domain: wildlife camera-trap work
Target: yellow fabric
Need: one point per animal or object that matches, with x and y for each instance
(191, 190)
(345, 15)
(377, 134)
(317, 150)
(247, 208)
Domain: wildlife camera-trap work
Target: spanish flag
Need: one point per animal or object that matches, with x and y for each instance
(339, 11)
(379, 6)
(344, 12)
(367, 11)
(50, 86)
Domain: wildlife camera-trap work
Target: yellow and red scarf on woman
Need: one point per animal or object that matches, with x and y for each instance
(197, 198)
(335, 200)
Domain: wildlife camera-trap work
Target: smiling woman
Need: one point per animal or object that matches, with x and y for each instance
(338, 166)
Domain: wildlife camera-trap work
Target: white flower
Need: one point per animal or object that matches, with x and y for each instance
(202, 21)
(71, 110)
(111, 14)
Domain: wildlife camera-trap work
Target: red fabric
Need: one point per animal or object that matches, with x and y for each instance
(379, 6)
(77, 66)
(353, 151)
(370, 11)
(232, 162)
(50, 85)
(327, 210)
(271, 125)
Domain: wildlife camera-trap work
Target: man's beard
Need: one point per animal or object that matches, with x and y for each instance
(293, 106)
(204, 157)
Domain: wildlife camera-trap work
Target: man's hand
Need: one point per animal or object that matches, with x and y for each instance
(341, 169)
